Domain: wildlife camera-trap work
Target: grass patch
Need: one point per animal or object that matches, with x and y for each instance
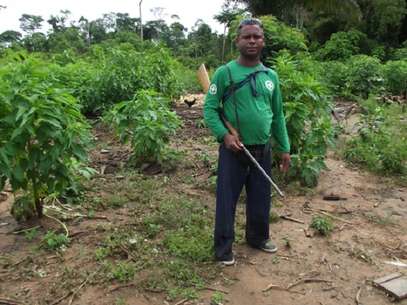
(53, 241)
(120, 271)
(274, 217)
(166, 243)
(381, 143)
(322, 225)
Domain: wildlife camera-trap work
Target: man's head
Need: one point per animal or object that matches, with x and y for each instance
(250, 38)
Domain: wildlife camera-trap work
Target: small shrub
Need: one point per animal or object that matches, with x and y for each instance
(122, 272)
(43, 136)
(53, 241)
(365, 75)
(322, 225)
(31, 234)
(380, 144)
(342, 45)
(147, 123)
(395, 77)
(307, 110)
(274, 217)
(218, 298)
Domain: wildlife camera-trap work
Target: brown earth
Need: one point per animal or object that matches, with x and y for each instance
(370, 230)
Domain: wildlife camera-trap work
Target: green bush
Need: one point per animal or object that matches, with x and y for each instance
(400, 54)
(335, 76)
(322, 225)
(147, 123)
(381, 144)
(395, 77)
(365, 75)
(43, 136)
(342, 45)
(307, 109)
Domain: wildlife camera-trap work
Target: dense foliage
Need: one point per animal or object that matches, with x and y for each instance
(147, 123)
(43, 136)
(307, 110)
(381, 142)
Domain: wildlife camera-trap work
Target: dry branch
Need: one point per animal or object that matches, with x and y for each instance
(287, 217)
(336, 217)
(357, 298)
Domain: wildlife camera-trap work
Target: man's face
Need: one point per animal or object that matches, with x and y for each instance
(250, 41)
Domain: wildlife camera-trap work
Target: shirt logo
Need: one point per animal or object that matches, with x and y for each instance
(213, 89)
(269, 85)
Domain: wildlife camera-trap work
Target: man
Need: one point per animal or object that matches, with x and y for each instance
(247, 95)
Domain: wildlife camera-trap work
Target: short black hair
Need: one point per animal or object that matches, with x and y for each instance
(249, 21)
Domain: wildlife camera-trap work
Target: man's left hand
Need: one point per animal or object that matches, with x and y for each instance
(285, 162)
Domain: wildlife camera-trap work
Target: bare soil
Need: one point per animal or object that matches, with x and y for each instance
(370, 229)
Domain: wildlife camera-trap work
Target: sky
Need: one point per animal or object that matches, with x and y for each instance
(188, 10)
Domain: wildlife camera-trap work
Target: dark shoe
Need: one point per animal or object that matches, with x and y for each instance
(228, 260)
(268, 246)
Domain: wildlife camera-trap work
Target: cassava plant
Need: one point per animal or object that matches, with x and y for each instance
(147, 123)
(307, 109)
(43, 135)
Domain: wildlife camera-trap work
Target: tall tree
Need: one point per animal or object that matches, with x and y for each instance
(383, 19)
(295, 12)
(225, 17)
(58, 22)
(30, 23)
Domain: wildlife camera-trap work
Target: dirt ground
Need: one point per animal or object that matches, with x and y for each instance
(370, 230)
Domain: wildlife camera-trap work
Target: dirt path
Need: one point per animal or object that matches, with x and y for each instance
(370, 228)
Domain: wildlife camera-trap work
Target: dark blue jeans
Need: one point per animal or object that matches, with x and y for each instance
(234, 172)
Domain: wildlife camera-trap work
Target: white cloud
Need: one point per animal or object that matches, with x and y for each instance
(188, 10)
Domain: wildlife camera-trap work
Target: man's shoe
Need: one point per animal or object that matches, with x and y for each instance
(229, 260)
(269, 246)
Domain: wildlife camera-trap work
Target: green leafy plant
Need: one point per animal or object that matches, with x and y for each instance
(54, 241)
(307, 109)
(365, 75)
(343, 45)
(380, 144)
(122, 271)
(31, 234)
(217, 298)
(147, 123)
(43, 136)
(322, 225)
(395, 77)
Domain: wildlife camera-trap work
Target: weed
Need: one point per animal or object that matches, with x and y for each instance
(179, 292)
(200, 124)
(275, 260)
(274, 217)
(287, 242)
(322, 225)
(120, 301)
(53, 241)
(31, 234)
(116, 201)
(122, 271)
(183, 274)
(217, 298)
(101, 253)
(191, 243)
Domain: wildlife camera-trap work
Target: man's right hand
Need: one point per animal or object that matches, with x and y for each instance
(232, 142)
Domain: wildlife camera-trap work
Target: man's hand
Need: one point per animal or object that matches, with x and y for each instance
(285, 162)
(232, 142)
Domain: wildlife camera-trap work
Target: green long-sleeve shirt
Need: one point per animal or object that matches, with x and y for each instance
(260, 117)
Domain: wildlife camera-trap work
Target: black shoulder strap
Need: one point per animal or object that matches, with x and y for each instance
(251, 78)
